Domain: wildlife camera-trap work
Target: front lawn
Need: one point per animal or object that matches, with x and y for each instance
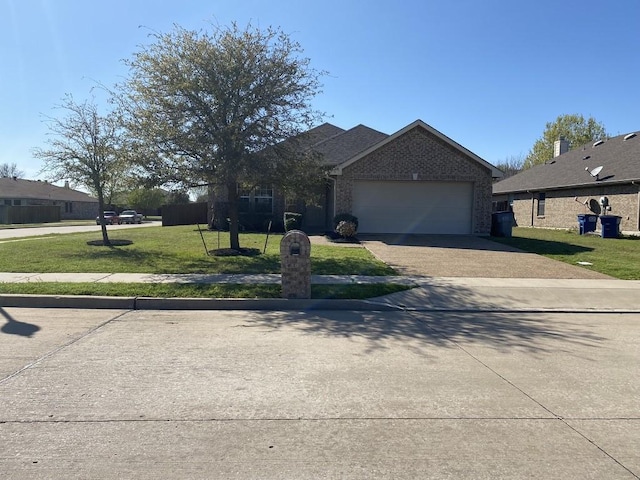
(176, 250)
(617, 257)
(172, 250)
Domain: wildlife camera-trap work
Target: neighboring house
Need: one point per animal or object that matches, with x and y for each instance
(553, 194)
(73, 203)
(416, 181)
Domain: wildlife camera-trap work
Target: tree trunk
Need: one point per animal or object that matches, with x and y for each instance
(234, 237)
(105, 237)
(211, 203)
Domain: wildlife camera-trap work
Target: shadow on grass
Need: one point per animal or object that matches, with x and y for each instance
(542, 247)
(134, 260)
(349, 266)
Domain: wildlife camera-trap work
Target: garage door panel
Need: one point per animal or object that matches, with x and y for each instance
(413, 207)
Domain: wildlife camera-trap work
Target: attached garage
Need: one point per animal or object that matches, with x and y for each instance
(416, 181)
(413, 207)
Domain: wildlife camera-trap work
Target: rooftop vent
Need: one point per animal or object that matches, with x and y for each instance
(599, 142)
(587, 157)
(630, 135)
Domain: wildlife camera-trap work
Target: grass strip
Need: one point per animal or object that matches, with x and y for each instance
(164, 290)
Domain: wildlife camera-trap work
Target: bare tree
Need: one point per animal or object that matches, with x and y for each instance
(215, 109)
(511, 165)
(10, 170)
(85, 148)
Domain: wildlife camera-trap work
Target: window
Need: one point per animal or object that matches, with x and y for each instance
(68, 207)
(541, 201)
(7, 202)
(257, 200)
(263, 199)
(17, 203)
(244, 200)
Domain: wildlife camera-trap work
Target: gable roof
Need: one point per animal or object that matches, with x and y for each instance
(619, 158)
(316, 135)
(347, 144)
(495, 173)
(18, 188)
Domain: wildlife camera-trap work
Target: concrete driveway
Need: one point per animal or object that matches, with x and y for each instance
(466, 256)
(113, 394)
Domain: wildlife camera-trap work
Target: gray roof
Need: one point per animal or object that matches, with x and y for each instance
(38, 190)
(316, 135)
(619, 159)
(347, 144)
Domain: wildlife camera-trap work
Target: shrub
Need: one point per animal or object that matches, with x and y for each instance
(344, 217)
(347, 229)
(292, 221)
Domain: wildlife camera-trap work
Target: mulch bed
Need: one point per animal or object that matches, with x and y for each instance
(112, 243)
(230, 252)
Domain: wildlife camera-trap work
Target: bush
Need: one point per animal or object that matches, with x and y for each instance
(344, 217)
(347, 229)
(292, 221)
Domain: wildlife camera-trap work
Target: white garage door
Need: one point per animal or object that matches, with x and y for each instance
(413, 207)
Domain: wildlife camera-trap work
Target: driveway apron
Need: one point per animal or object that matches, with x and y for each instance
(466, 256)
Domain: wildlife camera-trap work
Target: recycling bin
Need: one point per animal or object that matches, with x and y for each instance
(610, 226)
(587, 223)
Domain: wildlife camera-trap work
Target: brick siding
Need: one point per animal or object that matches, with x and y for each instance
(561, 207)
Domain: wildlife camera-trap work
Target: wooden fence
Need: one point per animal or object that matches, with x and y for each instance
(29, 214)
(187, 214)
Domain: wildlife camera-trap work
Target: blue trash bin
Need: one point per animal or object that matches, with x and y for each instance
(587, 223)
(610, 226)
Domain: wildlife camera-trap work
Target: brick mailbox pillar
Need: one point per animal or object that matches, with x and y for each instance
(295, 260)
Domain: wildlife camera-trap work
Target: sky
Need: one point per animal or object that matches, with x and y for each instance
(487, 73)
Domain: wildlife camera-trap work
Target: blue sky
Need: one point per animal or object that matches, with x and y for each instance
(487, 73)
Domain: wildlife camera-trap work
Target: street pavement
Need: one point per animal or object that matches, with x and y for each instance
(8, 234)
(476, 392)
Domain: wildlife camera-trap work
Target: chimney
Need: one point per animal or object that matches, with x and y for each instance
(66, 184)
(560, 146)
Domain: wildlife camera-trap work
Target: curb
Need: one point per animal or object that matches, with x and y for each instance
(150, 303)
(263, 304)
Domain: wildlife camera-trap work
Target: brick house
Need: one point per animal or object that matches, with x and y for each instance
(415, 181)
(73, 204)
(553, 194)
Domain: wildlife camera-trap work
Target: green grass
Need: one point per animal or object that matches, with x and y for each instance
(172, 250)
(617, 257)
(195, 290)
(178, 250)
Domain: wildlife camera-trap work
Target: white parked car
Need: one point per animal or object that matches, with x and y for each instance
(130, 216)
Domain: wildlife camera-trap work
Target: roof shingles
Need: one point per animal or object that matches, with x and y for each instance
(619, 158)
(38, 190)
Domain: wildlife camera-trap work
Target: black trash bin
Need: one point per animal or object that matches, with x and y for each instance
(587, 223)
(501, 224)
(610, 226)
